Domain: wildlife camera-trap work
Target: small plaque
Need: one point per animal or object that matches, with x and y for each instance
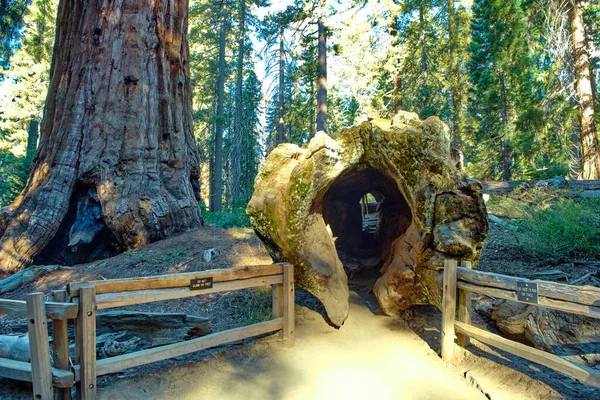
(201, 283)
(527, 292)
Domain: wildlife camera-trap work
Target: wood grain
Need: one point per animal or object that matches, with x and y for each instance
(448, 309)
(60, 344)
(112, 300)
(289, 316)
(580, 372)
(588, 311)
(585, 295)
(18, 308)
(86, 335)
(21, 371)
(172, 281)
(125, 361)
(41, 373)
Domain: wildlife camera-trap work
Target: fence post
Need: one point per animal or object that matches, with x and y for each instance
(448, 309)
(465, 305)
(289, 328)
(37, 327)
(278, 303)
(60, 344)
(85, 338)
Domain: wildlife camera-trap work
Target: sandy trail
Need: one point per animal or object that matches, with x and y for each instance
(370, 357)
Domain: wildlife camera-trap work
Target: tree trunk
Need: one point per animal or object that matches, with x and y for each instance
(322, 75)
(455, 88)
(236, 146)
(583, 87)
(280, 108)
(505, 142)
(592, 49)
(117, 148)
(422, 37)
(32, 139)
(397, 78)
(216, 204)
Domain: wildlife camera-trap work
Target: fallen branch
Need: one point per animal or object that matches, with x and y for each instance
(505, 224)
(28, 275)
(584, 278)
(120, 332)
(551, 275)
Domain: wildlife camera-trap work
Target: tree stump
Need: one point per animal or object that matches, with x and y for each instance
(306, 207)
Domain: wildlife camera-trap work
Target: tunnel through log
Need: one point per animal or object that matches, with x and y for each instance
(366, 213)
(306, 208)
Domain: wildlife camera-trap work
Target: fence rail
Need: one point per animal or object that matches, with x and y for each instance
(39, 370)
(582, 300)
(87, 297)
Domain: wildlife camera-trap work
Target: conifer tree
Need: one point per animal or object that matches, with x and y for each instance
(500, 72)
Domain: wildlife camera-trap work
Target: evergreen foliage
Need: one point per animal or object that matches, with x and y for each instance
(501, 73)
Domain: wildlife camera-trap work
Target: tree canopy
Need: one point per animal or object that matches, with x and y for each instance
(517, 81)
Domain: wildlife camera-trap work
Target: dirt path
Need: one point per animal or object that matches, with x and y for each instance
(370, 357)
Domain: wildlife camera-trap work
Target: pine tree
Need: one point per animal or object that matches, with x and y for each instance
(500, 72)
(12, 13)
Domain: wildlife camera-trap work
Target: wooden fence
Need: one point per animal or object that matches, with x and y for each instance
(40, 371)
(582, 300)
(88, 297)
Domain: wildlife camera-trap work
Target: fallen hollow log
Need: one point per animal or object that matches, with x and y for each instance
(500, 187)
(120, 332)
(306, 208)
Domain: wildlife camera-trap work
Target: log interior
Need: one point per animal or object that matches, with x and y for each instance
(366, 213)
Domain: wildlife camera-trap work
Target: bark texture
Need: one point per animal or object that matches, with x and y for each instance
(306, 209)
(322, 78)
(32, 138)
(117, 152)
(216, 197)
(585, 97)
(455, 78)
(281, 105)
(236, 145)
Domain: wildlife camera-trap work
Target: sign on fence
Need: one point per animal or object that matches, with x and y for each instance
(527, 292)
(201, 283)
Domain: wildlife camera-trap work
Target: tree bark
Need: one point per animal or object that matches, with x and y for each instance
(397, 78)
(322, 76)
(505, 140)
(32, 138)
(236, 146)
(117, 128)
(455, 88)
(585, 97)
(216, 204)
(422, 37)
(281, 105)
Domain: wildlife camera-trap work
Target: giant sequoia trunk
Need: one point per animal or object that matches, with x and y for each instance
(117, 164)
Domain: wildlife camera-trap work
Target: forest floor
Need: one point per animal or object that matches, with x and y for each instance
(371, 356)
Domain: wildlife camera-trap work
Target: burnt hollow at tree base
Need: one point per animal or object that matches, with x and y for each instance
(383, 201)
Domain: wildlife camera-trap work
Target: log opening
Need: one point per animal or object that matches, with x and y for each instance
(366, 213)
